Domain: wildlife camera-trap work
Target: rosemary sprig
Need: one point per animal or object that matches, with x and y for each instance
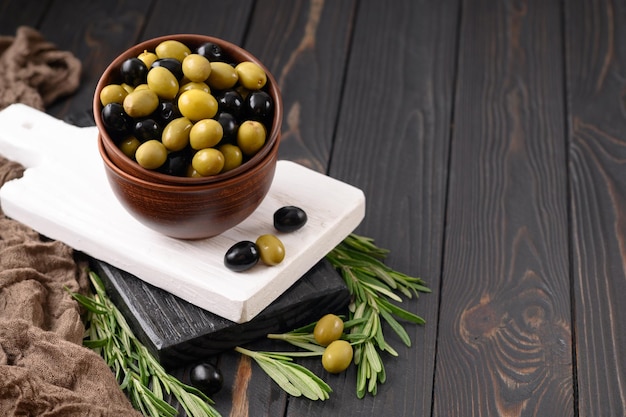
(373, 286)
(138, 372)
(293, 378)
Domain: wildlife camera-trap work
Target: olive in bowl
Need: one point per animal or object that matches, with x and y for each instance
(162, 95)
(192, 211)
(166, 192)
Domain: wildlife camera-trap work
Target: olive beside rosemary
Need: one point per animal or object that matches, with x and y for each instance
(206, 377)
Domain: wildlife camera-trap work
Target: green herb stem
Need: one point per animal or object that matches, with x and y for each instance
(138, 372)
(375, 288)
(293, 378)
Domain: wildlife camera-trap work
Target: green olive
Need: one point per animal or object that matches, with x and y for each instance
(208, 161)
(148, 58)
(163, 83)
(223, 76)
(243, 91)
(233, 157)
(140, 103)
(143, 86)
(172, 49)
(151, 154)
(337, 356)
(129, 146)
(196, 67)
(197, 105)
(175, 135)
(192, 173)
(271, 249)
(112, 93)
(205, 133)
(251, 137)
(191, 85)
(251, 75)
(328, 329)
(129, 88)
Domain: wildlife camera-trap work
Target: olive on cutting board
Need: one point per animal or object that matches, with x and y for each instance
(289, 218)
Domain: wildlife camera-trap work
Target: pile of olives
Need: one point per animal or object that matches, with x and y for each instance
(268, 248)
(188, 112)
(338, 353)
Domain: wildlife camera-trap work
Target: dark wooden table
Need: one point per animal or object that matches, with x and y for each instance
(490, 140)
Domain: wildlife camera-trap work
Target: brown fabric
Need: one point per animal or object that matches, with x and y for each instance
(34, 71)
(44, 369)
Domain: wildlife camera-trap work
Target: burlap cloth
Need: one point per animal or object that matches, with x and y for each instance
(44, 369)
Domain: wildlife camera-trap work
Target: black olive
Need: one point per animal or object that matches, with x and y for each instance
(211, 51)
(230, 101)
(147, 129)
(230, 126)
(289, 218)
(241, 256)
(259, 106)
(166, 112)
(115, 119)
(207, 378)
(172, 64)
(176, 163)
(134, 71)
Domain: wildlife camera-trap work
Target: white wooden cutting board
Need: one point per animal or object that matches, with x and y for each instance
(64, 195)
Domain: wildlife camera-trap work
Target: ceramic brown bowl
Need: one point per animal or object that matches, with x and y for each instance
(182, 207)
(192, 211)
(236, 54)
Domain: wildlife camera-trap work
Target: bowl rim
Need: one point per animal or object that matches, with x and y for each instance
(236, 53)
(174, 188)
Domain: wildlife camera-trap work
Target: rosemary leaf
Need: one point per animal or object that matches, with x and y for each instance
(382, 290)
(311, 347)
(379, 338)
(373, 357)
(319, 381)
(362, 374)
(95, 343)
(400, 312)
(302, 381)
(396, 327)
(273, 370)
(370, 327)
(291, 377)
(156, 387)
(372, 387)
(89, 303)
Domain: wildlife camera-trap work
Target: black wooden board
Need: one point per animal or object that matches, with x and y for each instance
(178, 332)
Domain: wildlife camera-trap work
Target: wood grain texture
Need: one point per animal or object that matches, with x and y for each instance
(305, 44)
(489, 140)
(224, 19)
(15, 13)
(596, 60)
(393, 140)
(96, 32)
(505, 331)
